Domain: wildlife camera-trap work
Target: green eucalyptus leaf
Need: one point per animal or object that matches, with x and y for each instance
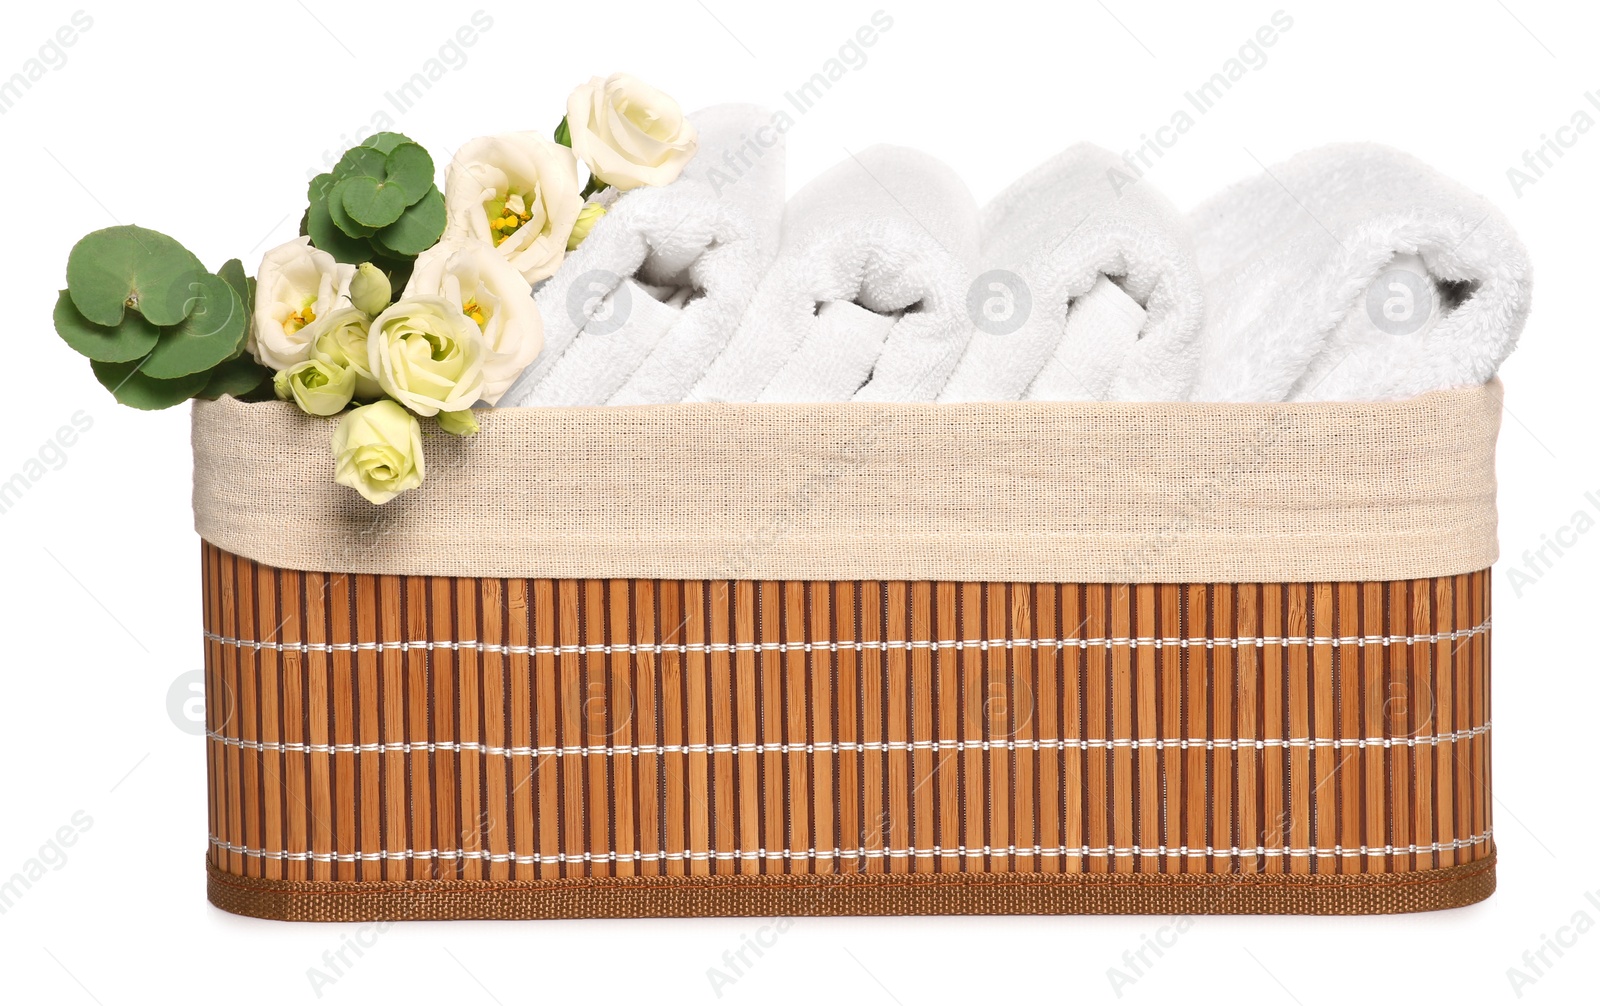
(341, 218)
(318, 189)
(418, 228)
(232, 273)
(411, 169)
(360, 162)
(120, 267)
(141, 391)
(237, 377)
(371, 203)
(109, 344)
(385, 142)
(326, 235)
(212, 333)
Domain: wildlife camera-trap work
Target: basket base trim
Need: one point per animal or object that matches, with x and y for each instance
(856, 894)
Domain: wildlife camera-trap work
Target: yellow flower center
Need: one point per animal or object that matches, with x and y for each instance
(300, 319)
(506, 217)
(473, 311)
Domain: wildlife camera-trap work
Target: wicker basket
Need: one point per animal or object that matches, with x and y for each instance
(421, 743)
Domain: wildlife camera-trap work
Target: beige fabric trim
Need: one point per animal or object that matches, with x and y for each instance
(1022, 491)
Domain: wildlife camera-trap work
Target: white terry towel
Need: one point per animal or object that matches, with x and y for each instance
(866, 301)
(1355, 272)
(647, 301)
(1067, 231)
(1100, 334)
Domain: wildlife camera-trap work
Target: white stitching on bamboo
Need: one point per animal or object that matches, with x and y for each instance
(860, 747)
(1110, 642)
(1108, 852)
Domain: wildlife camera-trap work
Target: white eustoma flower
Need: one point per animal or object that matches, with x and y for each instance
(629, 133)
(427, 355)
(517, 192)
(296, 285)
(377, 451)
(471, 275)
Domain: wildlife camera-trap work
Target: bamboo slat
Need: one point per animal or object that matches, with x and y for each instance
(383, 731)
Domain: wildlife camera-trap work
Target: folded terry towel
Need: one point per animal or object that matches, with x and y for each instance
(642, 307)
(837, 357)
(1052, 237)
(1101, 332)
(876, 252)
(1354, 272)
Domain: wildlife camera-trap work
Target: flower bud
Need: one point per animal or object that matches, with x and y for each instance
(461, 424)
(319, 388)
(370, 290)
(587, 218)
(378, 451)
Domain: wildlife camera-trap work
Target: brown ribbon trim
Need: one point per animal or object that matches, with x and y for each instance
(856, 894)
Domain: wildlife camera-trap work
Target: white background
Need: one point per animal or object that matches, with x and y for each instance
(203, 120)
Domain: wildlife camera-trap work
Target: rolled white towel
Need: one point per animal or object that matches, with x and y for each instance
(647, 301)
(1065, 229)
(866, 300)
(1355, 272)
(837, 357)
(1101, 332)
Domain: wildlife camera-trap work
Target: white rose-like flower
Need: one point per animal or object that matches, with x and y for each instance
(296, 285)
(377, 451)
(629, 133)
(427, 355)
(494, 295)
(519, 193)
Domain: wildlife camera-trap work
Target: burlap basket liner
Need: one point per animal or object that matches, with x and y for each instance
(1024, 491)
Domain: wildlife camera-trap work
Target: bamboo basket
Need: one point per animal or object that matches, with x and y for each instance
(425, 743)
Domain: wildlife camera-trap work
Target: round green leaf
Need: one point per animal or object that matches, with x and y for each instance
(141, 391)
(397, 269)
(210, 335)
(385, 142)
(360, 162)
(369, 202)
(235, 377)
(115, 344)
(232, 273)
(343, 220)
(418, 228)
(122, 267)
(326, 235)
(411, 169)
(318, 189)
